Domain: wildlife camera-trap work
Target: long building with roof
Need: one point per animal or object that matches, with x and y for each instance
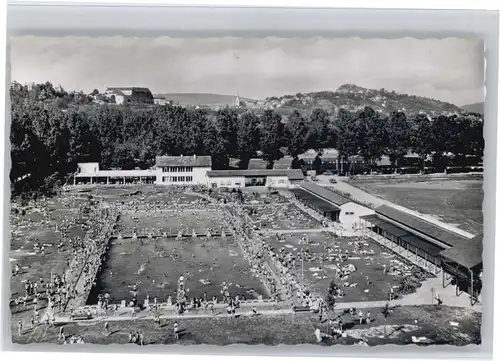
(438, 250)
(339, 208)
(188, 170)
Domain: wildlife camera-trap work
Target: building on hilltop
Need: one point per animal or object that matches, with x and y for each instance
(159, 99)
(123, 95)
(236, 101)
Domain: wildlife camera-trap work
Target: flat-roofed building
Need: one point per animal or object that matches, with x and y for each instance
(89, 173)
(239, 178)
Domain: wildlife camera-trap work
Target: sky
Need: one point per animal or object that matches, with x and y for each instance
(450, 70)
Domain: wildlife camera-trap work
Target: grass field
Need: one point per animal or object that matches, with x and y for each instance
(457, 202)
(372, 284)
(157, 265)
(282, 216)
(431, 322)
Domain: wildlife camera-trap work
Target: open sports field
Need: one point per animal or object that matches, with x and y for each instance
(457, 202)
(367, 282)
(156, 265)
(430, 322)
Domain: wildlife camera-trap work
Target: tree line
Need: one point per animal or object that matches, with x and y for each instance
(49, 136)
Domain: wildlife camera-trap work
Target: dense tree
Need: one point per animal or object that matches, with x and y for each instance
(297, 133)
(227, 121)
(421, 138)
(272, 136)
(52, 130)
(248, 138)
(320, 135)
(441, 142)
(370, 135)
(398, 137)
(345, 128)
(214, 147)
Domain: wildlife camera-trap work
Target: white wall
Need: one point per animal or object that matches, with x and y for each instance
(228, 182)
(119, 99)
(199, 175)
(277, 182)
(89, 168)
(348, 219)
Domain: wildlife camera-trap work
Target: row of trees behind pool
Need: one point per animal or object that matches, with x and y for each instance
(48, 139)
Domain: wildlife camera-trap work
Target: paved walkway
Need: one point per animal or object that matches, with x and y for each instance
(287, 231)
(172, 316)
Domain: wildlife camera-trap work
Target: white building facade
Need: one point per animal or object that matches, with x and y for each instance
(350, 212)
(183, 170)
(239, 178)
(189, 170)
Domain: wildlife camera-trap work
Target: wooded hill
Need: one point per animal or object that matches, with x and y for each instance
(52, 130)
(354, 98)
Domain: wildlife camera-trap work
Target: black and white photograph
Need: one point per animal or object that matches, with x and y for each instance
(263, 191)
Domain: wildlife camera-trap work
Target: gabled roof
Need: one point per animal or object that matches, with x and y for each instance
(120, 89)
(406, 236)
(257, 163)
(283, 163)
(292, 174)
(469, 253)
(186, 161)
(115, 91)
(319, 203)
(325, 193)
(421, 225)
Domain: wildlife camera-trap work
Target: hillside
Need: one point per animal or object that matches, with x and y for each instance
(353, 98)
(202, 98)
(474, 108)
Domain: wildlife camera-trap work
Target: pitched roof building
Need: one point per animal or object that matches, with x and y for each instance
(129, 95)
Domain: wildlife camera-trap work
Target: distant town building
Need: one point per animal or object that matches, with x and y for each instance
(130, 95)
(160, 99)
(16, 86)
(236, 101)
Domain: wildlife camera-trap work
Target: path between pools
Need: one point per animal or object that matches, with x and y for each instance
(300, 230)
(419, 298)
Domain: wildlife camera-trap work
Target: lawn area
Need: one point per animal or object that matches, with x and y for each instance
(457, 202)
(431, 322)
(281, 216)
(157, 264)
(371, 283)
